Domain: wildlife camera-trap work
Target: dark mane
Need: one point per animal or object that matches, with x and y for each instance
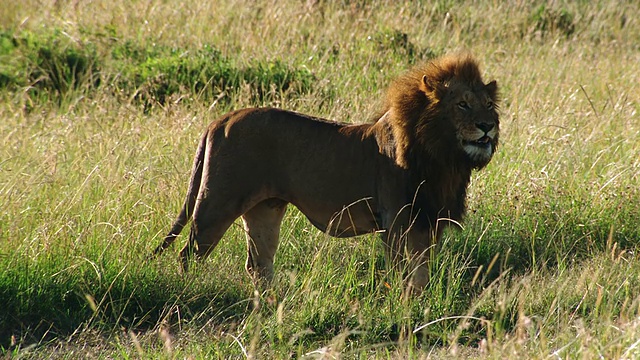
(464, 68)
(406, 95)
(423, 135)
(409, 99)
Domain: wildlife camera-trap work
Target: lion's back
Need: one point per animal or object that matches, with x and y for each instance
(284, 143)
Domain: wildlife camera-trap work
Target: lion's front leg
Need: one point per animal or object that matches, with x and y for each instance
(419, 271)
(411, 251)
(421, 248)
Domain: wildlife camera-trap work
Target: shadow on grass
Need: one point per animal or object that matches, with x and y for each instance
(59, 297)
(39, 306)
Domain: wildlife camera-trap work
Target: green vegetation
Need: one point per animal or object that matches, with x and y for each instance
(102, 104)
(52, 66)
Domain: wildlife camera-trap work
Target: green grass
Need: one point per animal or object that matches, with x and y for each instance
(53, 66)
(102, 104)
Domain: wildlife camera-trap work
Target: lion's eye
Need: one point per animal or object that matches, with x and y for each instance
(463, 105)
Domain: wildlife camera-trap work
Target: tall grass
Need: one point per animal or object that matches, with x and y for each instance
(97, 144)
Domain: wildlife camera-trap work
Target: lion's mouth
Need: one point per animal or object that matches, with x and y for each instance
(482, 142)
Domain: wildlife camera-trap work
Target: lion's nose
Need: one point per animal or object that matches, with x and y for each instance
(484, 127)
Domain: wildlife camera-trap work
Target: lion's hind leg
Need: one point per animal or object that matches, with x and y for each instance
(211, 220)
(262, 226)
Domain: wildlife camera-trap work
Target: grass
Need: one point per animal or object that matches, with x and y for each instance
(54, 66)
(102, 104)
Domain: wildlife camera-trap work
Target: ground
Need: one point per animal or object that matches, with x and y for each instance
(103, 103)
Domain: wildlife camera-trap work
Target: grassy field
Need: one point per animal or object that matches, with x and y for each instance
(101, 107)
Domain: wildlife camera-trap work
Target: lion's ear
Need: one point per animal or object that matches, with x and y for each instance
(430, 86)
(492, 89)
(424, 84)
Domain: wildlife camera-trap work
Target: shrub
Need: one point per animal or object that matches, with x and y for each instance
(49, 65)
(52, 66)
(548, 20)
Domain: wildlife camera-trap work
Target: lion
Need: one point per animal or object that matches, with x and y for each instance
(401, 175)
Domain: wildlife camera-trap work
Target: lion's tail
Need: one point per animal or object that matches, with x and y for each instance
(189, 203)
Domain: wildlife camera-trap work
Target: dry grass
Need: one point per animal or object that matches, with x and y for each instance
(89, 186)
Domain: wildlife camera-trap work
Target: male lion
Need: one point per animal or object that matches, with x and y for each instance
(399, 175)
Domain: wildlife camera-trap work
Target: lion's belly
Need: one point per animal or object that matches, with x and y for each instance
(355, 218)
(341, 205)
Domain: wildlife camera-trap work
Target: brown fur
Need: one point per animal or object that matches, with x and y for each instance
(401, 175)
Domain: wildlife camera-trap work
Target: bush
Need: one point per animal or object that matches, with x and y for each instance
(49, 65)
(155, 75)
(546, 20)
(52, 66)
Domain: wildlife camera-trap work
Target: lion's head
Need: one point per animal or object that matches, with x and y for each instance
(445, 109)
